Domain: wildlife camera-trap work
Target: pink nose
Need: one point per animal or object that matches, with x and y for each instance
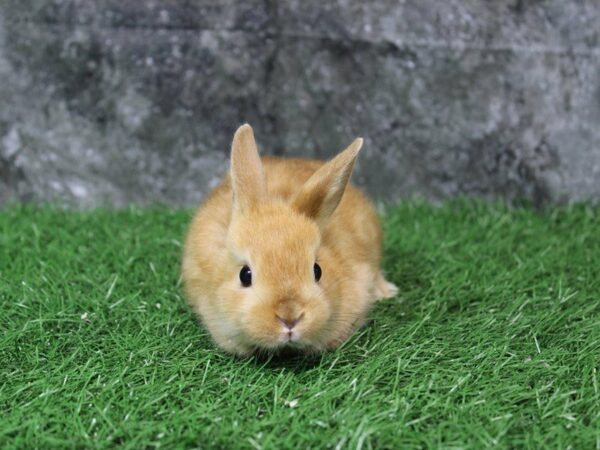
(290, 323)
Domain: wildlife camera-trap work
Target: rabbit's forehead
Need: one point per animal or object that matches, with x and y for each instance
(278, 232)
(284, 246)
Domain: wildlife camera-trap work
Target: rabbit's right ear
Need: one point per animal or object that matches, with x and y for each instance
(322, 192)
(247, 176)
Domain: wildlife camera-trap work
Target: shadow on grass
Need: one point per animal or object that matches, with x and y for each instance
(289, 359)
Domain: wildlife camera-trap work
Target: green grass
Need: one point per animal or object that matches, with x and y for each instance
(494, 340)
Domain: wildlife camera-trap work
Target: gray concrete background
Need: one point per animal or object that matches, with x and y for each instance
(135, 101)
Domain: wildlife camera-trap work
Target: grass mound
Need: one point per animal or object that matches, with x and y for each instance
(494, 340)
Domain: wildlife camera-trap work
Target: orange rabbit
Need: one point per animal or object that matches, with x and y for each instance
(284, 253)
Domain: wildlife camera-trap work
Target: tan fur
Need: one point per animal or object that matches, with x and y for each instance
(279, 218)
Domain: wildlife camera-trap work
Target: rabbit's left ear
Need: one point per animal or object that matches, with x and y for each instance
(321, 193)
(247, 176)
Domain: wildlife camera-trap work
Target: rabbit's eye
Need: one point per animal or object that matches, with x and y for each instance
(246, 276)
(318, 272)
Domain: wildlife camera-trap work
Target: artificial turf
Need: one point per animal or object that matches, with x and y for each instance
(494, 340)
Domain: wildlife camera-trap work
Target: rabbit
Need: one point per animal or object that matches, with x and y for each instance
(284, 253)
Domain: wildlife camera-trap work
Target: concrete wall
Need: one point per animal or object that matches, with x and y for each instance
(121, 101)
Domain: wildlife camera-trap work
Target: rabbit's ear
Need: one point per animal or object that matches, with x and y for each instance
(322, 192)
(247, 176)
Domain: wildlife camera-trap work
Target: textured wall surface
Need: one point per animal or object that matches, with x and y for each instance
(121, 101)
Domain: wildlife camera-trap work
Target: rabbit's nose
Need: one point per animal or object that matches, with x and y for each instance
(290, 323)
